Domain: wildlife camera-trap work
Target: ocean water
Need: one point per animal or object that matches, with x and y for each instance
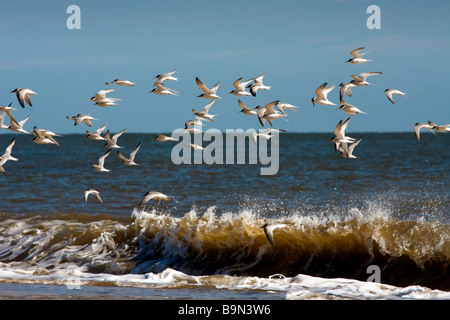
(375, 227)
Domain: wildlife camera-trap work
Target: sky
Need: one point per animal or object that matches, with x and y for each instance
(298, 45)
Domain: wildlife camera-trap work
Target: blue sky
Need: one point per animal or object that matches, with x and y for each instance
(298, 45)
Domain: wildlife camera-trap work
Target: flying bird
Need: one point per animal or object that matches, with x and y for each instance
(358, 57)
(129, 162)
(258, 85)
(94, 192)
(360, 80)
(111, 142)
(390, 92)
(100, 165)
(166, 77)
(349, 109)
(80, 118)
(418, 126)
(97, 135)
(439, 128)
(121, 82)
(239, 88)
(347, 150)
(7, 110)
(6, 156)
(340, 136)
(269, 228)
(163, 91)
(207, 93)
(23, 95)
(204, 114)
(321, 95)
(18, 126)
(163, 138)
(154, 195)
(245, 109)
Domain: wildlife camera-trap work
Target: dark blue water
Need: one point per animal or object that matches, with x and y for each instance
(393, 169)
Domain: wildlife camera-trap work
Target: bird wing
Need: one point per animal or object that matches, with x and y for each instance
(133, 154)
(355, 53)
(202, 86)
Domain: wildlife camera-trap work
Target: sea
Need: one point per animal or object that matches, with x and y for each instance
(376, 227)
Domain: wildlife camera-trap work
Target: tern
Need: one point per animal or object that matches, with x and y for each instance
(7, 110)
(44, 140)
(360, 80)
(349, 109)
(101, 100)
(357, 57)
(322, 93)
(154, 195)
(7, 155)
(163, 91)
(239, 87)
(111, 142)
(100, 165)
(23, 94)
(207, 93)
(18, 126)
(268, 230)
(418, 126)
(129, 162)
(340, 136)
(245, 109)
(121, 82)
(263, 112)
(88, 192)
(97, 135)
(258, 85)
(347, 151)
(79, 118)
(43, 135)
(439, 128)
(196, 122)
(265, 134)
(390, 92)
(165, 77)
(2, 120)
(346, 89)
(163, 138)
(204, 114)
(282, 106)
(196, 147)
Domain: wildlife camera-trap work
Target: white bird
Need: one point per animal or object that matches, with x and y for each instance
(263, 112)
(165, 77)
(121, 82)
(360, 80)
(129, 162)
(439, 128)
(207, 93)
(7, 110)
(96, 193)
(340, 136)
(79, 118)
(418, 126)
(154, 195)
(23, 94)
(349, 109)
(269, 228)
(321, 95)
(44, 140)
(265, 134)
(390, 92)
(282, 106)
(101, 100)
(196, 122)
(258, 85)
(196, 147)
(111, 142)
(245, 109)
(163, 138)
(163, 91)
(97, 135)
(100, 165)
(357, 57)
(18, 126)
(43, 135)
(347, 151)
(346, 89)
(204, 114)
(2, 120)
(239, 87)
(7, 155)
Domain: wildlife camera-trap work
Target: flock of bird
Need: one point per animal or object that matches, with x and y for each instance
(271, 111)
